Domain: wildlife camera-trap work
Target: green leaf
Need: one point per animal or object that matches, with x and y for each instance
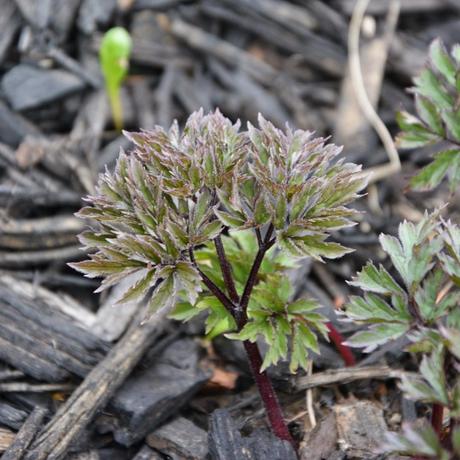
(372, 308)
(377, 280)
(429, 114)
(428, 85)
(413, 140)
(261, 214)
(184, 311)
(432, 369)
(442, 61)
(164, 295)
(188, 279)
(301, 306)
(432, 175)
(377, 335)
(456, 439)
(139, 288)
(452, 120)
(420, 440)
(230, 220)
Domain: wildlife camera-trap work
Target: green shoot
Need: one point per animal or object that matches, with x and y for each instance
(114, 59)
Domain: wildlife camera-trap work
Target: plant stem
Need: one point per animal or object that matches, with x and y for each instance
(267, 393)
(264, 246)
(437, 412)
(226, 270)
(345, 351)
(115, 103)
(226, 302)
(238, 310)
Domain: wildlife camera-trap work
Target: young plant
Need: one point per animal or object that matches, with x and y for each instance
(437, 94)
(114, 59)
(163, 217)
(422, 303)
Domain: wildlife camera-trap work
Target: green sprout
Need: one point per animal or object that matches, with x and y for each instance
(114, 59)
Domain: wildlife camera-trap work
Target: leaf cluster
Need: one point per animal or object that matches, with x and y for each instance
(437, 91)
(285, 324)
(420, 300)
(156, 217)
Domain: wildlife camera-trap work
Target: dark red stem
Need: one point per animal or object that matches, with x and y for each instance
(437, 413)
(238, 311)
(338, 339)
(267, 393)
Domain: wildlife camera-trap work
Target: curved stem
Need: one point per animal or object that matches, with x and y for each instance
(238, 311)
(267, 393)
(437, 414)
(226, 269)
(226, 302)
(337, 339)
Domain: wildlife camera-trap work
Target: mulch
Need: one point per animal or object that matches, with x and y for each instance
(78, 378)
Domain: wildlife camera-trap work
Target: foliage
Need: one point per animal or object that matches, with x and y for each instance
(272, 312)
(421, 302)
(437, 90)
(161, 214)
(114, 55)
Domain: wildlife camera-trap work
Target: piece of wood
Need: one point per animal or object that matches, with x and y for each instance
(9, 24)
(320, 442)
(41, 340)
(151, 395)
(59, 302)
(28, 87)
(6, 438)
(26, 434)
(22, 387)
(361, 428)
(208, 43)
(346, 375)
(97, 388)
(146, 453)
(44, 256)
(10, 415)
(111, 319)
(13, 126)
(46, 232)
(226, 442)
(180, 438)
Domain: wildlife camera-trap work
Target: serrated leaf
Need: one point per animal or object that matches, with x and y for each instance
(230, 220)
(432, 175)
(301, 306)
(428, 112)
(452, 120)
(432, 369)
(428, 85)
(413, 140)
(138, 289)
(164, 295)
(442, 61)
(377, 280)
(377, 335)
(184, 311)
(416, 441)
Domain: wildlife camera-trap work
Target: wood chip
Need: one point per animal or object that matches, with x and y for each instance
(361, 428)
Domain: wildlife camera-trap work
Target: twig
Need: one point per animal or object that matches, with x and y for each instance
(25, 435)
(309, 399)
(21, 387)
(379, 172)
(347, 374)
